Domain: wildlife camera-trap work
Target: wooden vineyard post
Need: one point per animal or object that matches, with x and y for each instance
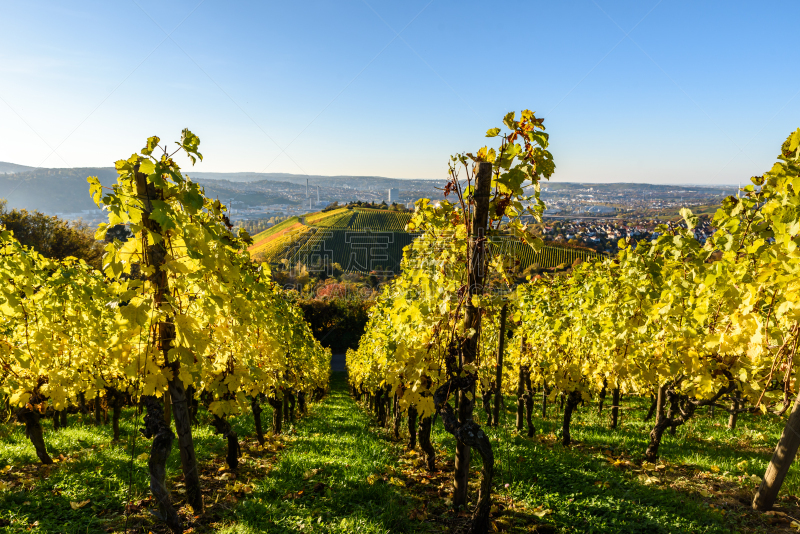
(472, 318)
(782, 459)
(155, 256)
(520, 421)
(498, 384)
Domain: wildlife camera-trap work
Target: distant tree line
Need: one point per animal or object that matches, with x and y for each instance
(53, 237)
(255, 226)
(375, 206)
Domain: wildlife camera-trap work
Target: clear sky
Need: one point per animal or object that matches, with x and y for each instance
(648, 91)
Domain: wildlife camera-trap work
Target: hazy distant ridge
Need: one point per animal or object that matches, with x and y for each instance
(65, 191)
(13, 167)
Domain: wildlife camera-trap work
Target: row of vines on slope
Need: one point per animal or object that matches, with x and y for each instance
(179, 315)
(425, 337)
(690, 324)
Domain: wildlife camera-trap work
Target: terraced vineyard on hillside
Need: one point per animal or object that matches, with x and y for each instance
(364, 240)
(549, 256)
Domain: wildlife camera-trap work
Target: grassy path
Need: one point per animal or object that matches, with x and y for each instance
(333, 454)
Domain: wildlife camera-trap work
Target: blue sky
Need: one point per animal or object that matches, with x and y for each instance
(659, 92)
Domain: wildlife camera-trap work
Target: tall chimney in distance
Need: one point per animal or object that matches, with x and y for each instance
(317, 194)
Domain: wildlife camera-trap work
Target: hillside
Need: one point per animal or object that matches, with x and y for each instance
(53, 191)
(255, 196)
(354, 182)
(65, 191)
(251, 195)
(364, 240)
(6, 168)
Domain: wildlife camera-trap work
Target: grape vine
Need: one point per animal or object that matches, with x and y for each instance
(179, 314)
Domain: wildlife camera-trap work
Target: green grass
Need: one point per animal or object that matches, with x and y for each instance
(586, 493)
(334, 471)
(95, 470)
(334, 439)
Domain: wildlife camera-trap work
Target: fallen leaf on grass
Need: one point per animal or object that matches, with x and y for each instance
(775, 513)
(419, 515)
(647, 480)
(501, 524)
(241, 488)
(75, 505)
(541, 512)
(741, 466)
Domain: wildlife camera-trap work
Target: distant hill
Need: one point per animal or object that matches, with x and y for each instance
(251, 195)
(53, 190)
(354, 182)
(364, 240)
(621, 187)
(13, 167)
(65, 191)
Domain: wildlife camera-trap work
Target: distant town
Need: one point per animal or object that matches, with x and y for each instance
(603, 235)
(589, 215)
(594, 216)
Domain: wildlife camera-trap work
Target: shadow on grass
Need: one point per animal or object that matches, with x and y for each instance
(333, 454)
(578, 490)
(321, 481)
